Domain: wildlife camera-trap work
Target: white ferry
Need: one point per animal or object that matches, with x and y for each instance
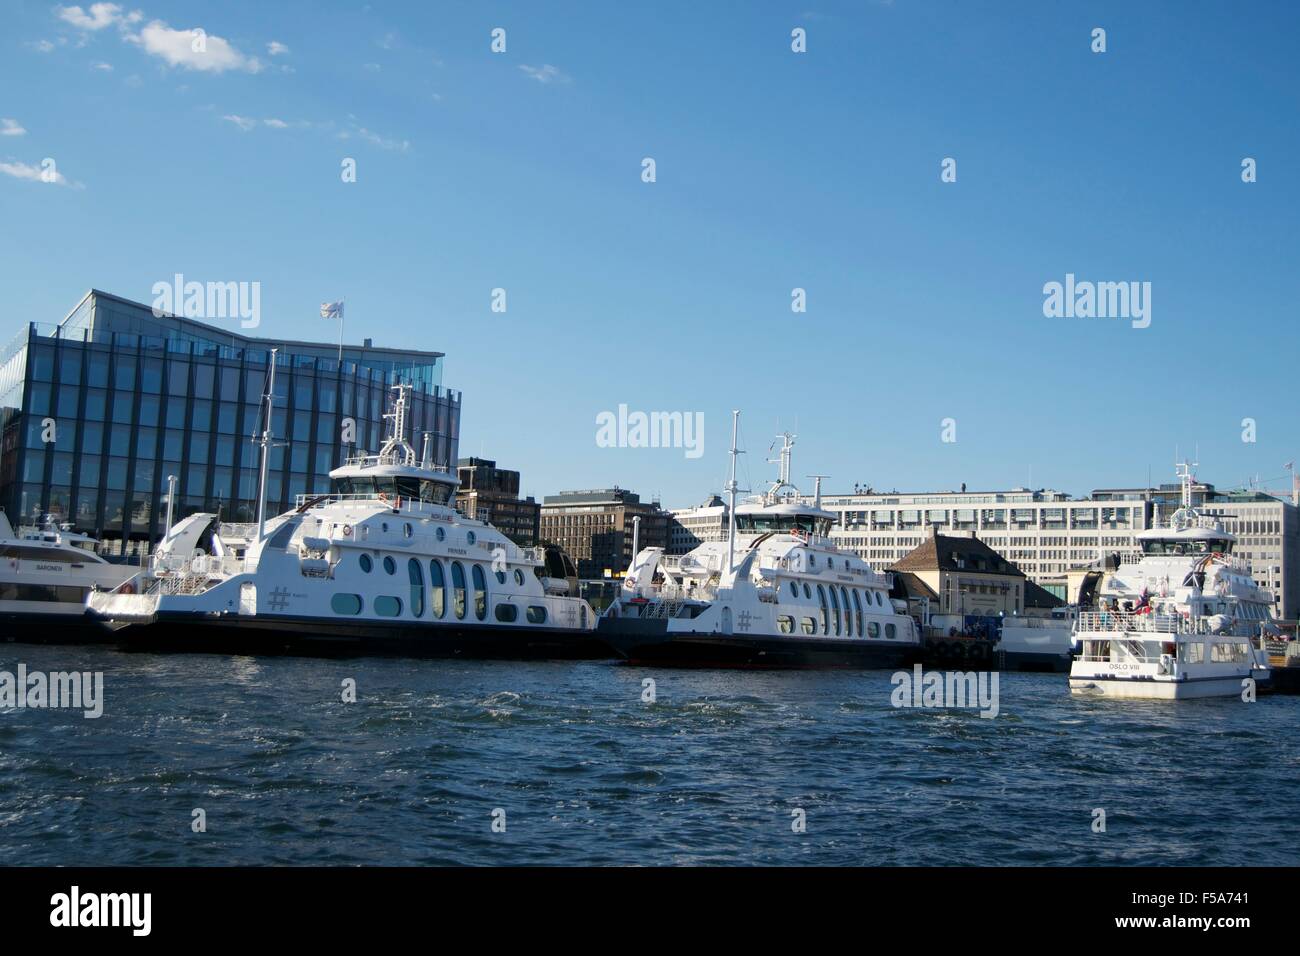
(777, 593)
(46, 574)
(383, 563)
(1185, 620)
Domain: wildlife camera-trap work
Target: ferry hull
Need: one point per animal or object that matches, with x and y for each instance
(71, 627)
(650, 643)
(276, 635)
(1130, 688)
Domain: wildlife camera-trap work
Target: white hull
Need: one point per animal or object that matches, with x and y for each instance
(1157, 689)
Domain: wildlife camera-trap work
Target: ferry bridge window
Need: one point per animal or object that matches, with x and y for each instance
(480, 591)
(438, 585)
(417, 586)
(458, 589)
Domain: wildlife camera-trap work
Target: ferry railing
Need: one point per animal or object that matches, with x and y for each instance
(1153, 623)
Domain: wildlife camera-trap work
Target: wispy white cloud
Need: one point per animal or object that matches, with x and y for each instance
(375, 139)
(373, 67)
(9, 127)
(193, 49)
(99, 16)
(37, 174)
(545, 73)
(276, 48)
(40, 46)
(275, 123)
(103, 67)
(243, 122)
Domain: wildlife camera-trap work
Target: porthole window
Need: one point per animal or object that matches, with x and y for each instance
(507, 613)
(438, 586)
(794, 590)
(785, 624)
(417, 586)
(366, 564)
(480, 591)
(809, 625)
(826, 618)
(501, 577)
(440, 533)
(408, 530)
(346, 603)
(470, 537)
(386, 606)
(873, 629)
(891, 631)
(807, 593)
(458, 589)
(536, 615)
(389, 564)
(519, 577)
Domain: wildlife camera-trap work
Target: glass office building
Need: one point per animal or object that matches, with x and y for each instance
(97, 411)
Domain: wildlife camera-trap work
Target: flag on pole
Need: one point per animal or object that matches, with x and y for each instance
(331, 310)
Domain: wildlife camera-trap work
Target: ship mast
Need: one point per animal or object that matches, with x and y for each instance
(731, 496)
(265, 442)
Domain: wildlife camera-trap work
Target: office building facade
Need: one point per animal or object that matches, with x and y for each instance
(97, 411)
(596, 528)
(491, 494)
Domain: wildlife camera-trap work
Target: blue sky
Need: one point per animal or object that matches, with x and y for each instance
(775, 170)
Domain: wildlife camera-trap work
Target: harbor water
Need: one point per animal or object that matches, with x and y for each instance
(463, 762)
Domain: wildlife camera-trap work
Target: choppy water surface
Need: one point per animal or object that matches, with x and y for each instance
(589, 774)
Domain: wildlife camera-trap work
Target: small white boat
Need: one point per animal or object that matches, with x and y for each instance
(46, 574)
(1186, 620)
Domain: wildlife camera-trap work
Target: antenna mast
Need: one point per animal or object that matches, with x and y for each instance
(731, 496)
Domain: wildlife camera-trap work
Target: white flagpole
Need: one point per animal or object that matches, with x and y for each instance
(340, 335)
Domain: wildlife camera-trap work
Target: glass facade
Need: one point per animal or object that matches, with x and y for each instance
(98, 411)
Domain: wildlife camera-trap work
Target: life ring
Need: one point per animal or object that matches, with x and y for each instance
(127, 588)
(347, 531)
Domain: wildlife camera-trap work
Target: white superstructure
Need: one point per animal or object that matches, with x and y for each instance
(776, 592)
(46, 574)
(384, 559)
(1184, 620)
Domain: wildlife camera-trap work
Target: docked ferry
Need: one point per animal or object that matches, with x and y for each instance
(383, 563)
(1185, 620)
(778, 593)
(46, 574)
